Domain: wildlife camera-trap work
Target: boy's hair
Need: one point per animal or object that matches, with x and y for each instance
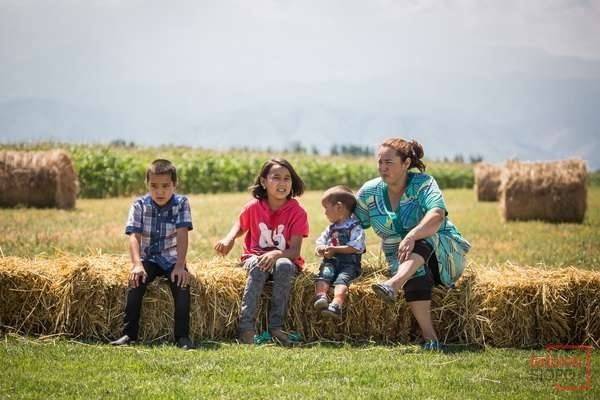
(161, 166)
(259, 192)
(340, 194)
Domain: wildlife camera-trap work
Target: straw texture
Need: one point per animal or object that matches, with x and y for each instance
(505, 306)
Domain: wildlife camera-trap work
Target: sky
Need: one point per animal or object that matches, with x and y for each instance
(501, 79)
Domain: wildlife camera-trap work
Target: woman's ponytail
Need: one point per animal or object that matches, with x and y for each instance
(416, 154)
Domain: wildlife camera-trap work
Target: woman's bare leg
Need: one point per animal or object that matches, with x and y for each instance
(422, 311)
(405, 271)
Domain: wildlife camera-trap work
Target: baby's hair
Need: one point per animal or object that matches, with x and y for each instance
(259, 192)
(340, 194)
(404, 148)
(161, 166)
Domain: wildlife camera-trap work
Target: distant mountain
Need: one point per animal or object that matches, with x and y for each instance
(531, 119)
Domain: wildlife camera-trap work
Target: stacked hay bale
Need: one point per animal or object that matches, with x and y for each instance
(507, 306)
(37, 179)
(548, 191)
(487, 181)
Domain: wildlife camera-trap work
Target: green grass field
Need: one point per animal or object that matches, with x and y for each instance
(63, 368)
(97, 225)
(36, 369)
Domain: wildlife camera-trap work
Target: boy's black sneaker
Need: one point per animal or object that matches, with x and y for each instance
(122, 341)
(185, 343)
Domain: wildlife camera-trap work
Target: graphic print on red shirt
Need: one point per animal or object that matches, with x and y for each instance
(268, 230)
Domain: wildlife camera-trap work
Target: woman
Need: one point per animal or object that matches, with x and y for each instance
(422, 247)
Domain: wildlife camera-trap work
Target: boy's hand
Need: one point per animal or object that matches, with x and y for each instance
(137, 273)
(320, 250)
(328, 252)
(267, 260)
(223, 246)
(180, 276)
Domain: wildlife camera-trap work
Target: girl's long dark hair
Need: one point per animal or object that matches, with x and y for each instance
(259, 192)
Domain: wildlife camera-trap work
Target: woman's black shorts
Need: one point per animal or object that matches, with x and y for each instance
(419, 288)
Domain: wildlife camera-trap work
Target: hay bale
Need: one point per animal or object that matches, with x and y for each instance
(37, 179)
(505, 306)
(217, 299)
(487, 181)
(31, 294)
(94, 296)
(452, 310)
(365, 317)
(522, 307)
(585, 322)
(548, 191)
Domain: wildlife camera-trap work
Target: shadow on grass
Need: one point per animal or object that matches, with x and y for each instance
(404, 348)
(213, 345)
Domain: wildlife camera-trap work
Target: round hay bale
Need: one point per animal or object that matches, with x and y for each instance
(547, 191)
(37, 179)
(487, 181)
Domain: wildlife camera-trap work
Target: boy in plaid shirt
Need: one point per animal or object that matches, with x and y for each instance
(158, 226)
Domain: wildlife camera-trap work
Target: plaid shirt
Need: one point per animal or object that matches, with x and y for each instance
(158, 226)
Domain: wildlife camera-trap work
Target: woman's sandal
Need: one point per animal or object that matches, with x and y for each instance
(385, 292)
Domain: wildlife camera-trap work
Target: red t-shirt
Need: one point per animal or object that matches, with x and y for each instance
(268, 230)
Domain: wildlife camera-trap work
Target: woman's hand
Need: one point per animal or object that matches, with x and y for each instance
(223, 246)
(405, 248)
(267, 260)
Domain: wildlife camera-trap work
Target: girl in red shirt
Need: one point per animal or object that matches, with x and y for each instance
(274, 224)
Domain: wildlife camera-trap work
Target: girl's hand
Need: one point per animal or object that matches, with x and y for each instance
(137, 274)
(223, 246)
(405, 248)
(267, 260)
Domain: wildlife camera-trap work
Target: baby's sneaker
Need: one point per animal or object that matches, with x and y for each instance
(333, 310)
(321, 302)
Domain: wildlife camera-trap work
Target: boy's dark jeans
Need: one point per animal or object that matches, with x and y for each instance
(181, 297)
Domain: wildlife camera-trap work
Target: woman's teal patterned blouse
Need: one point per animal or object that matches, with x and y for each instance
(421, 195)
